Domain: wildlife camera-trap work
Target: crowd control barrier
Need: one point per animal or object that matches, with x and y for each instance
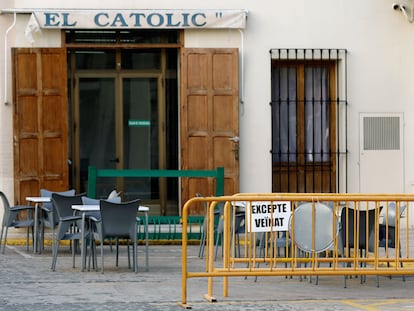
(302, 235)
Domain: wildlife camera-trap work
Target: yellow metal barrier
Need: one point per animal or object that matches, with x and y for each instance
(303, 234)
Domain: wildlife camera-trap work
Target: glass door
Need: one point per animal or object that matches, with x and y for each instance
(143, 137)
(95, 139)
(124, 109)
(129, 135)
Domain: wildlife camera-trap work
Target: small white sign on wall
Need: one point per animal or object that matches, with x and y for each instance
(265, 216)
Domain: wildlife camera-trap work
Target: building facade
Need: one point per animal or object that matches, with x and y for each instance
(298, 96)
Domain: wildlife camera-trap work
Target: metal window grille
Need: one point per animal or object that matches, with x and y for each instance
(309, 119)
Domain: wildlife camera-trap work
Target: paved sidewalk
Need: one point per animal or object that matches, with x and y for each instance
(27, 283)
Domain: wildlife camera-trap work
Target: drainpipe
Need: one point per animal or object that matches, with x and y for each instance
(242, 71)
(6, 53)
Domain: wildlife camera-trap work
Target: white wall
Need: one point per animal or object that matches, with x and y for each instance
(6, 120)
(379, 40)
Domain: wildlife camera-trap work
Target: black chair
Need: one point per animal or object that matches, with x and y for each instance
(119, 221)
(236, 228)
(313, 227)
(279, 241)
(361, 242)
(49, 218)
(11, 219)
(94, 216)
(203, 231)
(387, 237)
(275, 241)
(387, 234)
(68, 227)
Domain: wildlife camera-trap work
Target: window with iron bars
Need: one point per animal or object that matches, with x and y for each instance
(309, 120)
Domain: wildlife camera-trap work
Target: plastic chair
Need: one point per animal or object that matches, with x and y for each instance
(203, 236)
(49, 217)
(275, 241)
(281, 241)
(118, 220)
(387, 237)
(68, 223)
(91, 201)
(10, 219)
(239, 228)
(364, 243)
(96, 215)
(313, 238)
(389, 221)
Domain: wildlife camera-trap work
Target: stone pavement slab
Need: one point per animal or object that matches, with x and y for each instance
(27, 283)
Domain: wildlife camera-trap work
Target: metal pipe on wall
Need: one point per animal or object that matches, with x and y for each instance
(6, 54)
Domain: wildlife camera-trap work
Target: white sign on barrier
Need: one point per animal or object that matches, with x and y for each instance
(268, 216)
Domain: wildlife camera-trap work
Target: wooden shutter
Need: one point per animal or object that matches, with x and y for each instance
(209, 118)
(40, 121)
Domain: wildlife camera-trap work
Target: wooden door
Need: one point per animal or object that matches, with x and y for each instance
(209, 119)
(40, 121)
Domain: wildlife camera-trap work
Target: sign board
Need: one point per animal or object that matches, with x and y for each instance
(139, 123)
(268, 216)
(139, 19)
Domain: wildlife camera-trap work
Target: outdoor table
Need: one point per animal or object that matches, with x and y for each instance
(84, 208)
(314, 233)
(37, 201)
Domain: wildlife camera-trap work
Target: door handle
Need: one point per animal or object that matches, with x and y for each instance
(235, 139)
(236, 151)
(116, 160)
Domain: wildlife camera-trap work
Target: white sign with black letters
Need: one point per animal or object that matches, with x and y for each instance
(264, 216)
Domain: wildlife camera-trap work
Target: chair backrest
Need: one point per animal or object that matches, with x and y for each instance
(48, 194)
(91, 201)
(321, 226)
(63, 204)
(48, 205)
(204, 204)
(6, 207)
(119, 219)
(240, 225)
(277, 238)
(114, 194)
(348, 227)
(6, 203)
(391, 215)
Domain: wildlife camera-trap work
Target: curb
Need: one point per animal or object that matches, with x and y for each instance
(48, 242)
